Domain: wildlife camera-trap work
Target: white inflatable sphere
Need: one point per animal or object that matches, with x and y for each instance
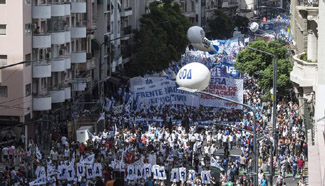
(194, 76)
(253, 26)
(195, 34)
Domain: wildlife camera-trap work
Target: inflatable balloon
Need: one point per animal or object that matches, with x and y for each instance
(206, 45)
(253, 26)
(194, 76)
(195, 34)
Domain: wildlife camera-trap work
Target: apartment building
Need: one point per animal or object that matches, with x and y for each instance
(307, 44)
(55, 36)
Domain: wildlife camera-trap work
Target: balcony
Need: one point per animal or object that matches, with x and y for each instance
(58, 10)
(78, 57)
(89, 65)
(41, 69)
(41, 103)
(58, 38)
(304, 73)
(67, 62)
(42, 12)
(67, 92)
(79, 6)
(126, 12)
(229, 4)
(57, 65)
(58, 95)
(67, 36)
(67, 10)
(78, 32)
(42, 41)
(79, 84)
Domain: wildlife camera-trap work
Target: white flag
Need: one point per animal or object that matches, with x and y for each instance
(51, 170)
(101, 117)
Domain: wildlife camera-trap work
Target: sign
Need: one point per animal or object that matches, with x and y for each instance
(226, 87)
(118, 109)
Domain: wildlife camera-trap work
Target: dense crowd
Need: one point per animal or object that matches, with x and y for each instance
(176, 136)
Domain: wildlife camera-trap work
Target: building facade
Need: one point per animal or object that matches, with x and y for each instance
(307, 44)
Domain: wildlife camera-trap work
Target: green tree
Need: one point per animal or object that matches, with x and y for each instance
(241, 23)
(221, 25)
(260, 66)
(160, 40)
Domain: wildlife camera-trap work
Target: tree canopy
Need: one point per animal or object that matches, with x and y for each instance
(241, 23)
(160, 40)
(221, 25)
(260, 65)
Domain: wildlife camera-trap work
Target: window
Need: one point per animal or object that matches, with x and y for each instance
(3, 60)
(28, 29)
(3, 29)
(2, 2)
(28, 57)
(27, 1)
(44, 83)
(3, 91)
(28, 89)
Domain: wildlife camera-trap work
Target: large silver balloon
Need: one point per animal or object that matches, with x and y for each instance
(195, 34)
(253, 26)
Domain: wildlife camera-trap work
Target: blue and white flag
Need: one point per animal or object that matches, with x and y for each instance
(38, 181)
(101, 117)
(214, 163)
(89, 159)
(38, 153)
(108, 104)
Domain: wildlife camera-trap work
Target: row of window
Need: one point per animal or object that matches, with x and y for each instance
(4, 2)
(28, 29)
(4, 90)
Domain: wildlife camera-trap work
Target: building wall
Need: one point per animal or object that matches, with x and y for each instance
(15, 14)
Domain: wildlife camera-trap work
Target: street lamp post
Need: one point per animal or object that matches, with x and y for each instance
(275, 67)
(255, 148)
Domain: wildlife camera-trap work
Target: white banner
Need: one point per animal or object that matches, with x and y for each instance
(206, 177)
(191, 175)
(174, 176)
(70, 173)
(162, 173)
(139, 171)
(130, 173)
(118, 109)
(166, 93)
(40, 172)
(62, 172)
(147, 170)
(225, 87)
(155, 171)
(182, 174)
(97, 170)
(90, 171)
(80, 170)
